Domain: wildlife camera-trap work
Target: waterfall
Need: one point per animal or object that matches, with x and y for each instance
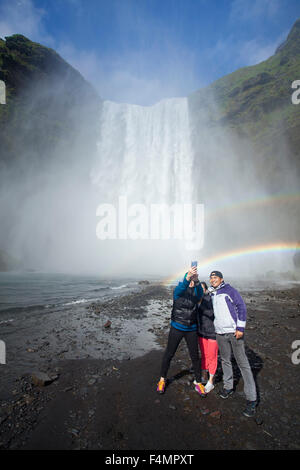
(145, 153)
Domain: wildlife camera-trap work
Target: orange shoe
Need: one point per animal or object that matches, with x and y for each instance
(161, 386)
(200, 389)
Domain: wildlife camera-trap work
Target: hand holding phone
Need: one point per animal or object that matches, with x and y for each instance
(192, 273)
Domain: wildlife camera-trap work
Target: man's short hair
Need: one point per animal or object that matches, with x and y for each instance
(216, 273)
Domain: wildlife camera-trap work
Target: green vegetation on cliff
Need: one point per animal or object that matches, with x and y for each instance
(48, 133)
(48, 102)
(255, 102)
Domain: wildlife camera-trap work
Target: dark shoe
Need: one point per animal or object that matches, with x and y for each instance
(250, 410)
(224, 393)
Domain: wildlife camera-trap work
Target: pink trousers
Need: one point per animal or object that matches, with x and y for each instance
(209, 354)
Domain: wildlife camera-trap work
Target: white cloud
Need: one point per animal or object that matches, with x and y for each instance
(252, 10)
(22, 17)
(153, 70)
(255, 13)
(131, 77)
(158, 66)
(239, 53)
(255, 51)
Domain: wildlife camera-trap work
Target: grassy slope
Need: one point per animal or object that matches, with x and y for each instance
(43, 92)
(256, 101)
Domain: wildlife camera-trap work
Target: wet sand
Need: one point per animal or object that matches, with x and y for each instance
(110, 402)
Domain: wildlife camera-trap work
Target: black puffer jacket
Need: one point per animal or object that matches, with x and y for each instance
(185, 306)
(205, 318)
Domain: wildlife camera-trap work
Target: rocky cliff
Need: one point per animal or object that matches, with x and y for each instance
(49, 105)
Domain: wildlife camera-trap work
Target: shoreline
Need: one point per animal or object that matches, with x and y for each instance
(112, 404)
(38, 339)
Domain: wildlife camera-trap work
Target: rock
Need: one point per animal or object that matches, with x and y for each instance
(41, 379)
(63, 351)
(107, 324)
(290, 328)
(28, 399)
(284, 419)
(83, 391)
(144, 283)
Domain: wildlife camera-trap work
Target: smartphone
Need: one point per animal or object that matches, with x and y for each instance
(194, 263)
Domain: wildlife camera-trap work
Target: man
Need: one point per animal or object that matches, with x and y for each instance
(230, 321)
(184, 325)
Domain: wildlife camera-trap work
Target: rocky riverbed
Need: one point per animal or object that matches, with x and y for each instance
(110, 402)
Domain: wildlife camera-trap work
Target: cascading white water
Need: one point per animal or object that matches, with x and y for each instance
(145, 153)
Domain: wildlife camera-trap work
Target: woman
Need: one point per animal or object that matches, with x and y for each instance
(184, 325)
(207, 338)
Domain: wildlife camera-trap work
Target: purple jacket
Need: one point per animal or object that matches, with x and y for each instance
(229, 309)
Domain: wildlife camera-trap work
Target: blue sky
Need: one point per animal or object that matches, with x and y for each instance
(142, 51)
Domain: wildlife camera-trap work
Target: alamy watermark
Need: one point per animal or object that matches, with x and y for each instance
(2, 352)
(296, 94)
(296, 354)
(2, 92)
(153, 222)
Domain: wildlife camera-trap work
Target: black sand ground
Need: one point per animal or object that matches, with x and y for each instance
(113, 405)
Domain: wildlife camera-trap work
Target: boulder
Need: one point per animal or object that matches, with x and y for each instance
(41, 379)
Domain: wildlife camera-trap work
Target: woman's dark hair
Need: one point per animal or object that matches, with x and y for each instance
(205, 285)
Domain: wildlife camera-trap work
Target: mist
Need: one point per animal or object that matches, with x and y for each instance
(74, 150)
(153, 154)
(243, 187)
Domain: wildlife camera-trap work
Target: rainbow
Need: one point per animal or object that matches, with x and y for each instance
(210, 262)
(255, 203)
